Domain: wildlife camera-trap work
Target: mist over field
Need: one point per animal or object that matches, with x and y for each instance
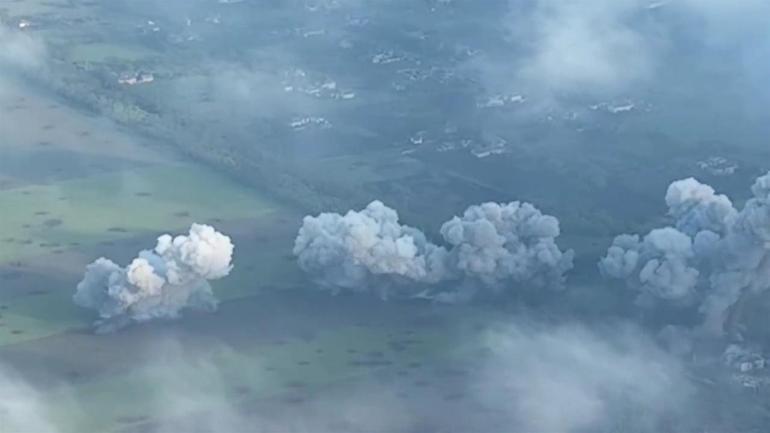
(384, 216)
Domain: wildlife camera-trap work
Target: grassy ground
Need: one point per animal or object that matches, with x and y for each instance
(103, 52)
(271, 364)
(240, 375)
(42, 218)
(35, 7)
(74, 187)
(116, 215)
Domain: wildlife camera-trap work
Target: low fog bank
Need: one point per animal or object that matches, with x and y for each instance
(21, 54)
(22, 407)
(571, 378)
(616, 48)
(515, 376)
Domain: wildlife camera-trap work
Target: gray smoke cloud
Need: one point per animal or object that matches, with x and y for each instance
(715, 255)
(350, 251)
(658, 265)
(696, 207)
(495, 243)
(490, 246)
(160, 283)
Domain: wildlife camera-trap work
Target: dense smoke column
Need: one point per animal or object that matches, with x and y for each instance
(364, 248)
(696, 207)
(715, 256)
(743, 259)
(159, 283)
(499, 244)
(490, 246)
(660, 266)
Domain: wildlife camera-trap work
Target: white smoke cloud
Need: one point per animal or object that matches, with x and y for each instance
(719, 255)
(159, 283)
(496, 243)
(491, 245)
(696, 207)
(659, 265)
(348, 251)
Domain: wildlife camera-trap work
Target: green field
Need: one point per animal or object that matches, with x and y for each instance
(64, 221)
(41, 218)
(104, 52)
(252, 373)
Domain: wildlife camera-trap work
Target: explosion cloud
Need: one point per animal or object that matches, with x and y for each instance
(349, 251)
(160, 283)
(494, 243)
(714, 256)
(659, 265)
(696, 207)
(489, 246)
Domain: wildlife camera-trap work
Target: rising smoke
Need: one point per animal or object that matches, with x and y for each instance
(495, 243)
(160, 283)
(354, 250)
(491, 246)
(714, 254)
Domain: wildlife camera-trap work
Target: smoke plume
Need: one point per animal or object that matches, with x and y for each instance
(714, 256)
(160, 283)
(491, 246)
(350, 251)
(495, 243)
